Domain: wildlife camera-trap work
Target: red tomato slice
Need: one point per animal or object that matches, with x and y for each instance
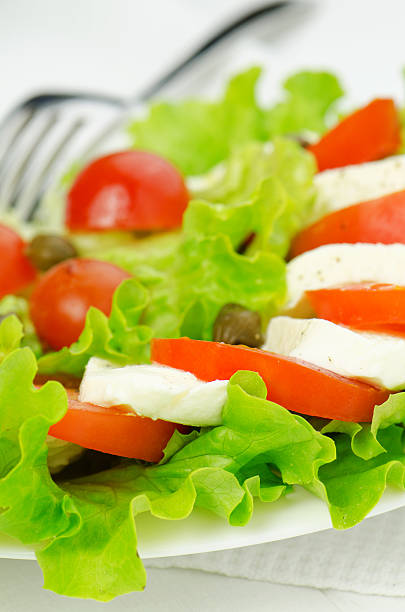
(380, 220)
(297, 385)
(130, 190)
(16, 270)
(61, 299)
(375, 306)
(370, 133)
(115, 430)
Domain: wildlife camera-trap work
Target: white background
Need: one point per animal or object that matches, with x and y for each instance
(116, 46)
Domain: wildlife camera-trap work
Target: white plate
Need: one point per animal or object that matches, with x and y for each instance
(296, 514)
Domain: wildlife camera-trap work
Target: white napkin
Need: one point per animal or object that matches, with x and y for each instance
(369, 558)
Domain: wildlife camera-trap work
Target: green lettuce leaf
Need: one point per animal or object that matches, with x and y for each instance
(309, 103)
(370, 456)
(363, 441)
(236, 179)
(33, 507)
(195, 135)
(12, 304)
(11, 335)
(352, 486)
(120, 337)
(239, 221)
(210, 272)
(234, 186)
(365, 438)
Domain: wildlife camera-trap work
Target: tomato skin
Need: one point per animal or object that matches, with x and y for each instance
(392, 330)
(129, 190)
(62, 297)
(16, 270)
(115, 430)
(373, 306)
(380, 220)
(368, 134)
(297, 385)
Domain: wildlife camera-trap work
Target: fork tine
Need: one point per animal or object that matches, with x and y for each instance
(28, 200)
(8, 144)
(12, 183)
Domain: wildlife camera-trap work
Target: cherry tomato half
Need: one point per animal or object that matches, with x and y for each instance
(115, 430)
(16, 270)
(370, 133)
(130, 190)
(297, 385)
(62, 297)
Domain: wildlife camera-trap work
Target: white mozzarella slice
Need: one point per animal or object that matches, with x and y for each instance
(155, 391)
(341, 264)
(343, 187)
(372, 357)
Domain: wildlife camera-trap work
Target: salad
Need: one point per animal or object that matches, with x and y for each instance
(213, 316)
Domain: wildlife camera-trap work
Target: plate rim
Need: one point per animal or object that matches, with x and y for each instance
(269, 523)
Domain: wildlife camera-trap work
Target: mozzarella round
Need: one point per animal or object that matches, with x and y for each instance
(341, 264)
(155, 391)
(372, 357)
(343, 187)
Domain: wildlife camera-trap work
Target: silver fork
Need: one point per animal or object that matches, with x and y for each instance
(42, 136)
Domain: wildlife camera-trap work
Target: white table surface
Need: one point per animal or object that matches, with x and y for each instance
(116, 46)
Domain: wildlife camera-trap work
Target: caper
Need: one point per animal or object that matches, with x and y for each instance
(238, 325)
(47, 250)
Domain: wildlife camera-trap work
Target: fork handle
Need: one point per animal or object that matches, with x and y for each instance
(209, 45)
(196, 57)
